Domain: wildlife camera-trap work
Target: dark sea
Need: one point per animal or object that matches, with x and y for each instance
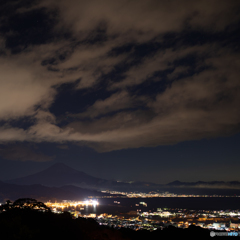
(124, 205)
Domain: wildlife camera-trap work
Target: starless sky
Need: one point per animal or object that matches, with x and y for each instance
(125, 90)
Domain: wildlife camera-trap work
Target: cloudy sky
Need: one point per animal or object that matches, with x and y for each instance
(126, 90)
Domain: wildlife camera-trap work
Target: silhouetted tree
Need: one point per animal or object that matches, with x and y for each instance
(6, 206)
(25, 203)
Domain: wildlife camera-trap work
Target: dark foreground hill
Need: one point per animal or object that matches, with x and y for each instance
(32, 224)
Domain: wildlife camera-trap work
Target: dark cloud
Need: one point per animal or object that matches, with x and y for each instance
(65, 147)
(20, 152)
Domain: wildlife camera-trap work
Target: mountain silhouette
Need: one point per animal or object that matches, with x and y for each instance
(58, 175)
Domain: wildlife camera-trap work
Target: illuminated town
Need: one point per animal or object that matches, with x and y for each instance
(152, 220)
(154, 194)
(71, 206)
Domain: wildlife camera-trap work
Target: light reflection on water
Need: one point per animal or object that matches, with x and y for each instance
(112, 206)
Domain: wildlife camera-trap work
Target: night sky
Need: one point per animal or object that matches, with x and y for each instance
(126, 90)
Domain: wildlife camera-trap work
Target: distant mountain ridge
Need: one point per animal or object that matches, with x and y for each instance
(60, 174)
(212, 184)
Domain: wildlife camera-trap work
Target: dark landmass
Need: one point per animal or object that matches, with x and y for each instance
(44, 193)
